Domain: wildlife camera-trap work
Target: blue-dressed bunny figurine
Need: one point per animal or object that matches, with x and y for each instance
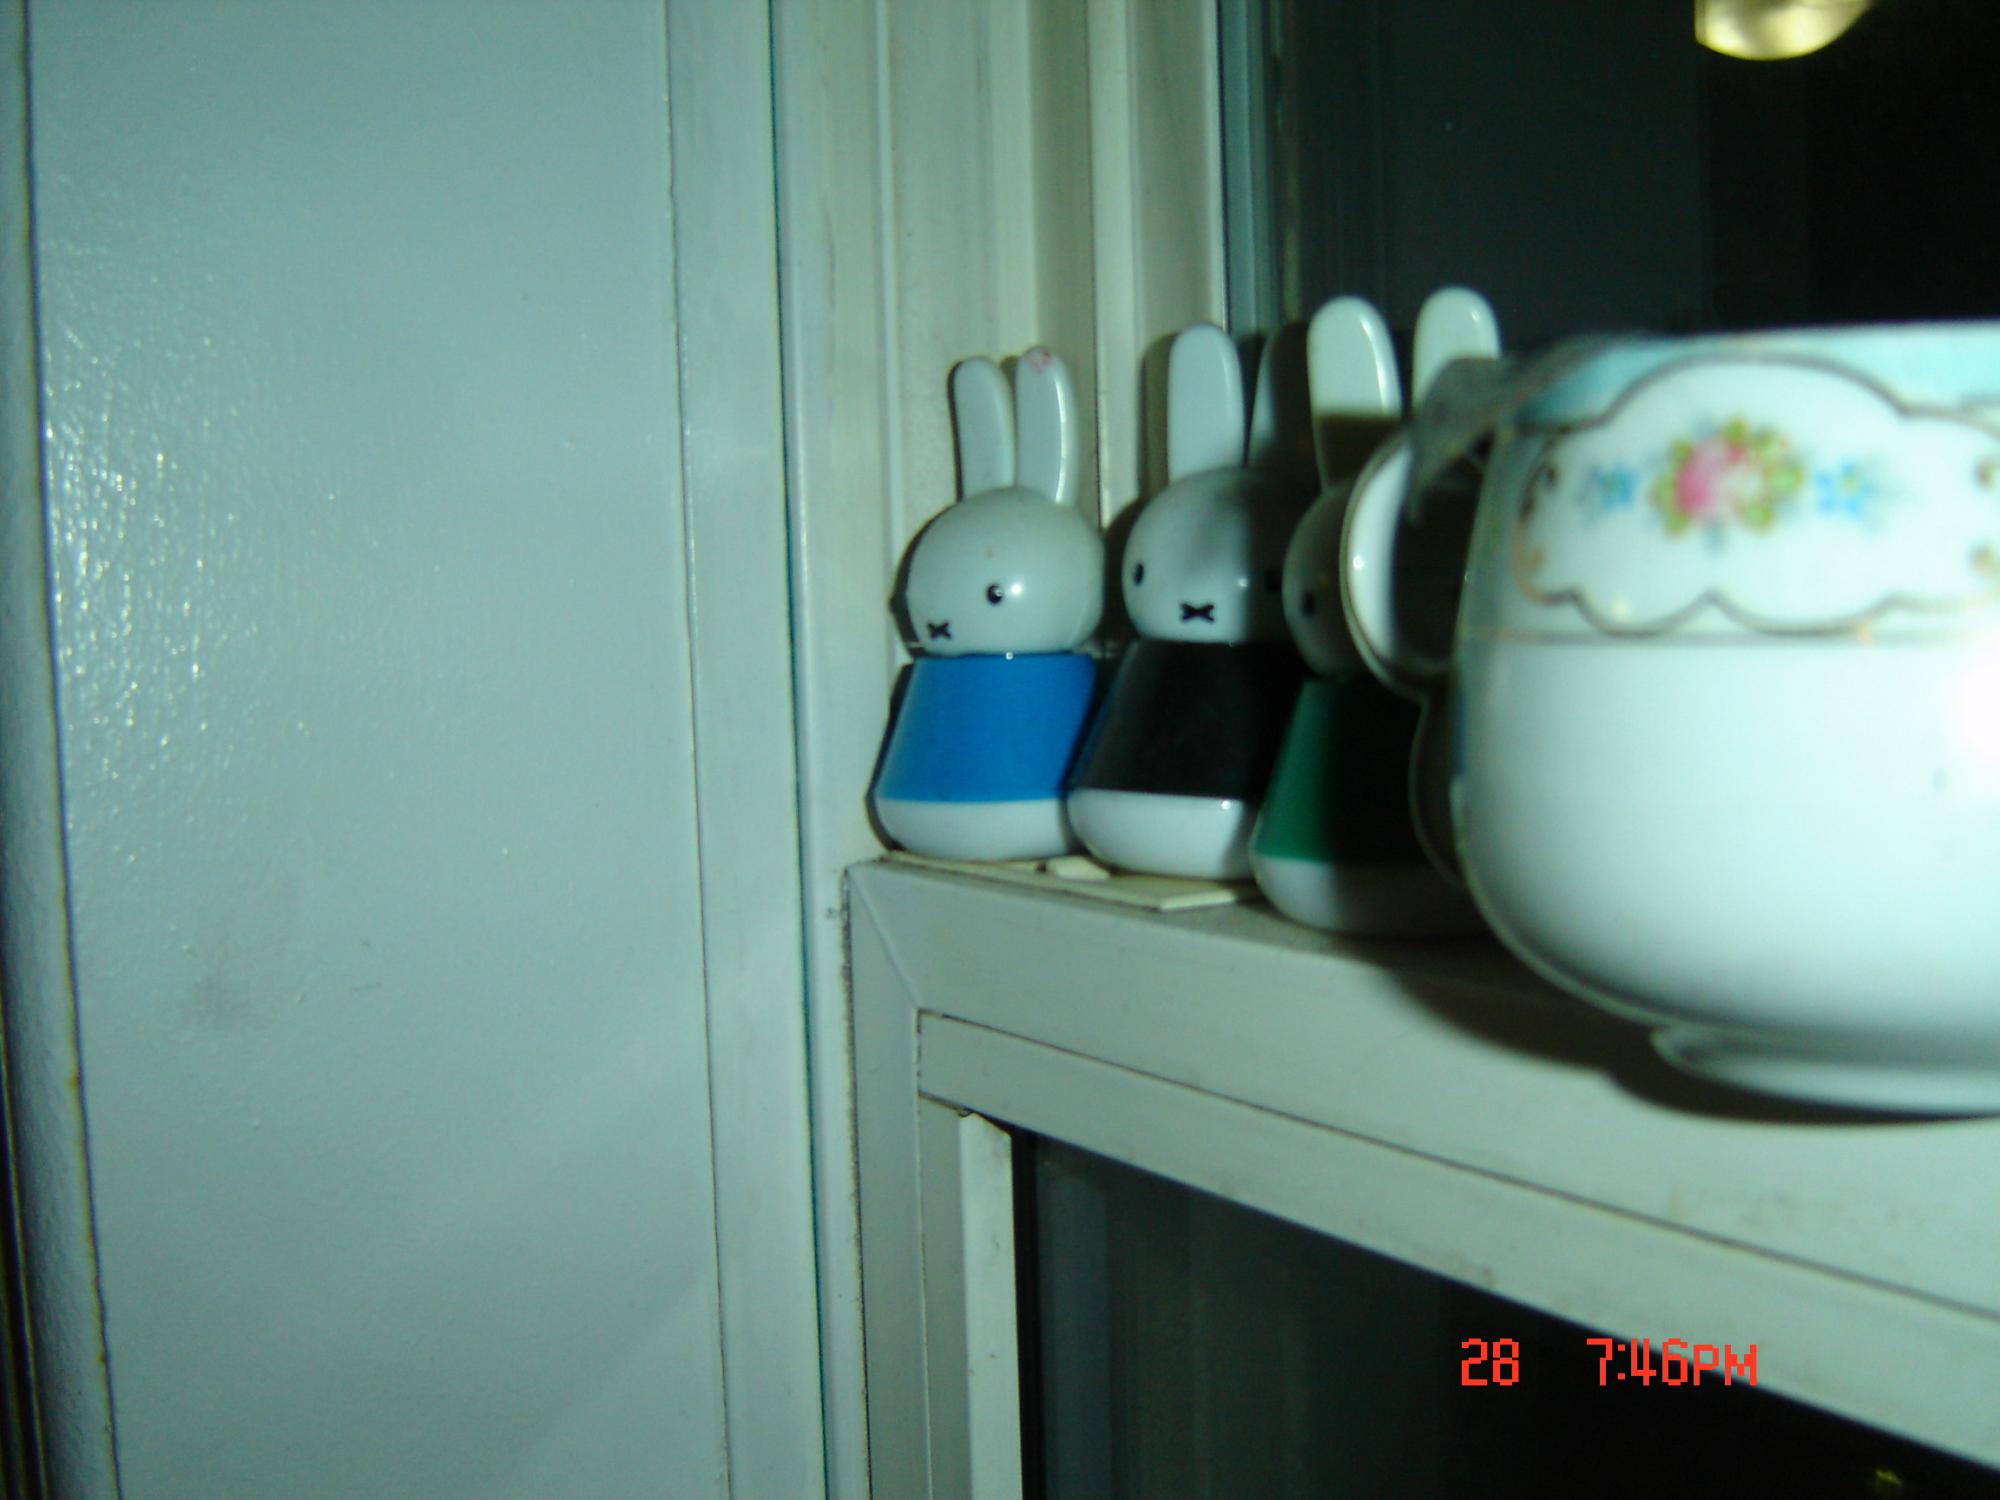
(1002, 588)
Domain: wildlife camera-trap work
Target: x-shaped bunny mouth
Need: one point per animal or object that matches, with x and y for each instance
(939, 632)
(1198, 612)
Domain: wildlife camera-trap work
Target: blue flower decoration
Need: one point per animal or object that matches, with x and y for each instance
(1845, 491)
(1612, 487)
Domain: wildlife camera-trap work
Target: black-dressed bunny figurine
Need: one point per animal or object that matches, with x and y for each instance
(1170, 778)
(1002, 588)
(1336, 846)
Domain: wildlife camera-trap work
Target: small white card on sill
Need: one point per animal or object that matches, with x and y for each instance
(1080, 875)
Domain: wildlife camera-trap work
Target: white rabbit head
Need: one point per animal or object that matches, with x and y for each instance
(1013, 566)
(1357, 397)
(1204, 558)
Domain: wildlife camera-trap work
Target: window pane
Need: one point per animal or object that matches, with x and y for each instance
(1184, 1346)
(1593, 167)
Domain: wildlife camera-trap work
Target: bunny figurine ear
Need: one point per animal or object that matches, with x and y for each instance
(1204, 402)
(1281, 411)
(984, 420)
(1045, 419)
(1356, 389)
(1454, 323)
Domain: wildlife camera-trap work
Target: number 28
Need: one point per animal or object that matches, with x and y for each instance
(1503, 1354)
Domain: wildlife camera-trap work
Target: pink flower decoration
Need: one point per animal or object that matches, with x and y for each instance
(1702, 487)
(1739, 476)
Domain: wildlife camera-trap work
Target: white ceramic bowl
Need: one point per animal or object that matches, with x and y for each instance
(1727, 692)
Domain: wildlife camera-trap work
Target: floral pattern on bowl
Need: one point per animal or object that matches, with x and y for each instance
(1735, 477)
(1741, 475)
(1774, 496)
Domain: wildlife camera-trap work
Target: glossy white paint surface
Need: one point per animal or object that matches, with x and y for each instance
(733, 480)
(364, 481)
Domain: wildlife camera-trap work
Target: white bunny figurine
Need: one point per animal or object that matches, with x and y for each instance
(1170, 778)
(1001, 589)
(1336, 845)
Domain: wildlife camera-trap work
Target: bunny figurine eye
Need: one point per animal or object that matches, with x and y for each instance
(1002, 588)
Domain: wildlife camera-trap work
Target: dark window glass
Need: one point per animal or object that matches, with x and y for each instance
(1180, 1345)
(1592, 167)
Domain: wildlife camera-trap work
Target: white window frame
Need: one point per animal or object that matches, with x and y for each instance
(1433, 1103)
(976, 176)
(956, 177)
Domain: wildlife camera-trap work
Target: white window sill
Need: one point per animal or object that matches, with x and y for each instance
(1435, 1102)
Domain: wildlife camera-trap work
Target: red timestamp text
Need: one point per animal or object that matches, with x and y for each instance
(1679, 1362)
(1493, 1362)
(1673, 1362)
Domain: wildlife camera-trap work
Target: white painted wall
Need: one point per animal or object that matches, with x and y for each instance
(364, 488)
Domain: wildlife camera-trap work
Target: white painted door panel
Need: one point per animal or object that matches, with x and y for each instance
(371, 636)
